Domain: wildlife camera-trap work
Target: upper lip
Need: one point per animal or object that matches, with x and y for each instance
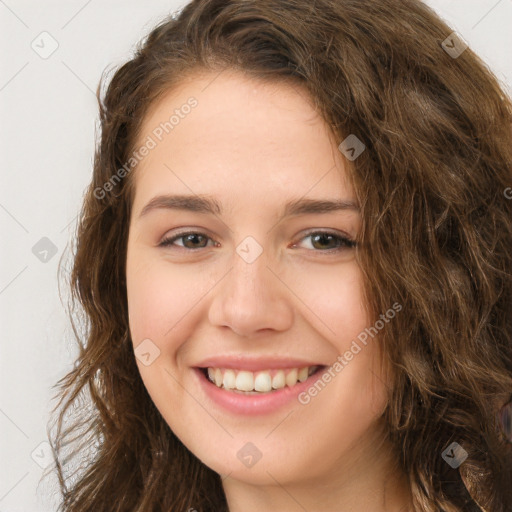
(255, 363)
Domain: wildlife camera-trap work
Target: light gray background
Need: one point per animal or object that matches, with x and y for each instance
(48, 116)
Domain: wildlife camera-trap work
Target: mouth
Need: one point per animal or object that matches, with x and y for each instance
(252, 391)
(258, 382)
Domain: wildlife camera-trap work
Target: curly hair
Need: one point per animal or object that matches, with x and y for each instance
(436, 237)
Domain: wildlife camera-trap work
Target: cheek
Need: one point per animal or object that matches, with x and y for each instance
(160, 295)
(337, 311)
(333, 298)
(344, 306)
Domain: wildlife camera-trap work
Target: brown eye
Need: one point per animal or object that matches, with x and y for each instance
(327, 241)
(190, 240)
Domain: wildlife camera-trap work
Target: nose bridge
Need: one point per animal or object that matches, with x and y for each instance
(251, 298)
(250, 275)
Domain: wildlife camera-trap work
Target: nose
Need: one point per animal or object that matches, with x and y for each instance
(251, 298)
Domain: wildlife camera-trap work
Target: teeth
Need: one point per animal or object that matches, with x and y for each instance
(229, 381)
(291, 377)
(303, 374)
(278, 380)
(218, 377)
(245, 381)
(262, 382)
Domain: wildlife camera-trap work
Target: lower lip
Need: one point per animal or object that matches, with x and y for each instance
(253, 405)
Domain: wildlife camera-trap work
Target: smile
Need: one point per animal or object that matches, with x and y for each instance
(259, 382)
(247, 387)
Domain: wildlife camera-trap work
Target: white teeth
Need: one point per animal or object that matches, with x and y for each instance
(291, 377)
(261, 381)
(278, 381)
(245, 381)
(229, 381)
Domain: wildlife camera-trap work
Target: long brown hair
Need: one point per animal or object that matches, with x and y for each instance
(436, 237)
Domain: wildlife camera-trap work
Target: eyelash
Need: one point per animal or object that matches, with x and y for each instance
(344, 242)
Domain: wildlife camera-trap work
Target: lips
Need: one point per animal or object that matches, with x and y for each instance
(255, 386)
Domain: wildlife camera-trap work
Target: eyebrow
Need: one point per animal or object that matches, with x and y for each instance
(208, 205)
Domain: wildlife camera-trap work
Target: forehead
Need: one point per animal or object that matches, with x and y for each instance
(231, 135)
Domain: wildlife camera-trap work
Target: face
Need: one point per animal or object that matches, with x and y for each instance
(241, 270)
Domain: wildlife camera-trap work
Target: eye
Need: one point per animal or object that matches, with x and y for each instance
(191, 240)
(334, 241)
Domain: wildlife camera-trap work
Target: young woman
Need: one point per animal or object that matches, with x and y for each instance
(294, 262)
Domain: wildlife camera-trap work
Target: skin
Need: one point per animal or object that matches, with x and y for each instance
(253, 146)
